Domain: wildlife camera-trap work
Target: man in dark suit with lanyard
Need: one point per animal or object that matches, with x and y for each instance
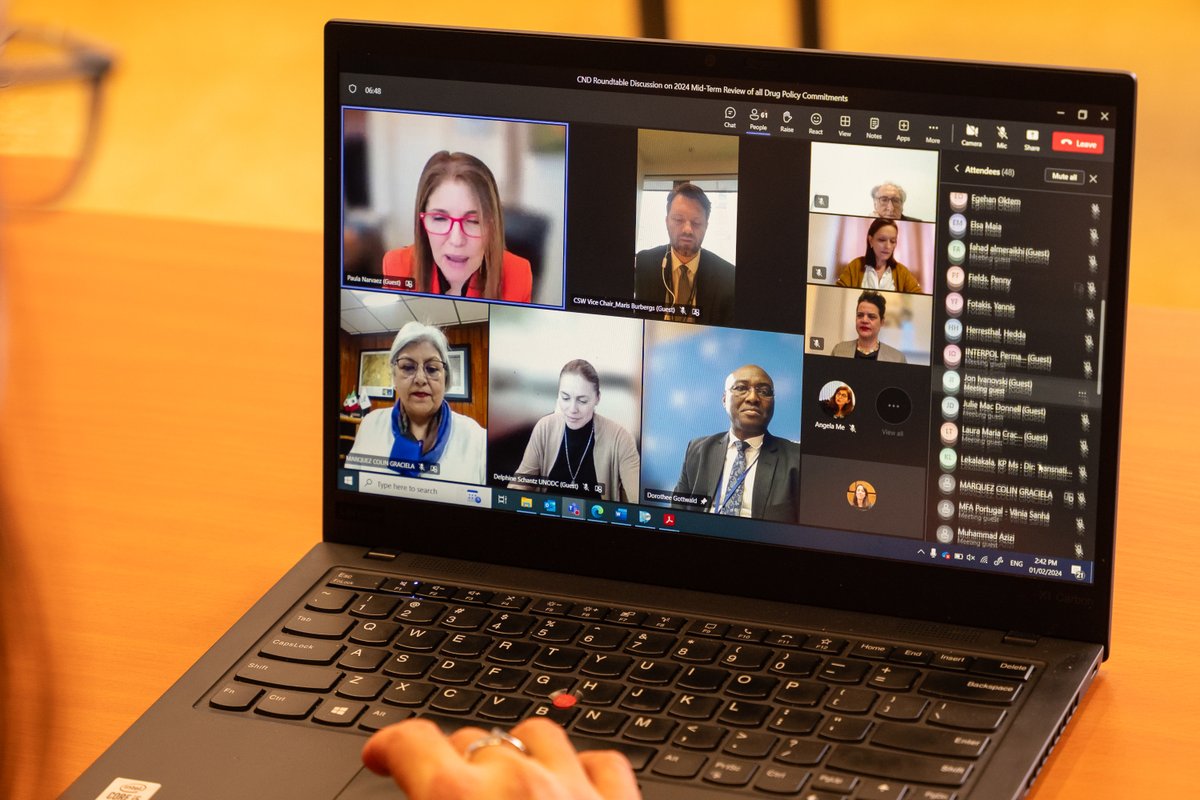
(682, 273)
(746, 471)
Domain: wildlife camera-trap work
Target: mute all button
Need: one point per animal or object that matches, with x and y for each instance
(1069, 177)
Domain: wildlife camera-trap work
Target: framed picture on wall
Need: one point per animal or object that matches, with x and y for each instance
(458, 377)
(375, 374)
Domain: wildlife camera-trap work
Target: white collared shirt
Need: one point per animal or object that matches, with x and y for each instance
(753, 451)
(872, 280)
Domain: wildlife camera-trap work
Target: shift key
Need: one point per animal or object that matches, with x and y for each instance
(972, 688)
(286, 675)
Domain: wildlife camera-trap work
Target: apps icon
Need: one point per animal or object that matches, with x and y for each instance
(550, 505)
(526, 502)
(644, 517)
(621, 514)
(972, 130)
(597, 511)
(574, 509)
(669, 520)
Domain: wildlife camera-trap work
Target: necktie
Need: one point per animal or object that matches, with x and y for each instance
(683, 292)
(732, 505)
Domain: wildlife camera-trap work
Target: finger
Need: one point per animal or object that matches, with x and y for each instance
(611, 774)
(412, 752)
(548, 743)
(463, 738)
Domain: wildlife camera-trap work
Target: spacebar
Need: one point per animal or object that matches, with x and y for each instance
(899, 766)
(638, 755)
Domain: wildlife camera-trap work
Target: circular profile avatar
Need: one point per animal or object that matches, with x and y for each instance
(837, 399)
(860, 495)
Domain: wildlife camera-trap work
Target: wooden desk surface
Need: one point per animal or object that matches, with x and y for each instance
(153, 363)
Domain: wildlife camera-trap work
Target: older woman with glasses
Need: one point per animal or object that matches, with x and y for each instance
(420, 435)
(459, 236)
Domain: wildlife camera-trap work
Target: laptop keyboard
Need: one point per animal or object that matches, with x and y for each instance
(783, 713)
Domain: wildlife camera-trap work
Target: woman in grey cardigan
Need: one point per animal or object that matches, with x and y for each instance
(575, 449)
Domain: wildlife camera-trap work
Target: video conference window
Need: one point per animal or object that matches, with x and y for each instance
(864, 181)
(565, 403)
(861, 252)
(687, 224)
(467, 207)
(412, 377)
(706, 389)
(868, 325)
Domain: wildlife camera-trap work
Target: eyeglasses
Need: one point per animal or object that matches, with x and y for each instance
(441, 224)
(889, 200)
(761, 389)
(50, 98)
(434, 369)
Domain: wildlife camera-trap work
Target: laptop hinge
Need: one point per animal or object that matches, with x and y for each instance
(1023, 639)
(382, 555)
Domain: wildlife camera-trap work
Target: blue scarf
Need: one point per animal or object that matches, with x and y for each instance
(407, 449)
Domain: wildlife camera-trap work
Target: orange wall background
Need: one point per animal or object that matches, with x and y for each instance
(214, 111)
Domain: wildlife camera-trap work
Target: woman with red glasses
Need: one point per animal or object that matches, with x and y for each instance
(459, 236)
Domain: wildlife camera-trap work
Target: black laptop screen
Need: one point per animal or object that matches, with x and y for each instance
(820, 316)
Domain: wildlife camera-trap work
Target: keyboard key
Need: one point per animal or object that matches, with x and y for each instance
(407, 693)
(600, 722)
(466, 645)
(558, 631)
(903, 707)
(749, 744)
(375, 634)
(502, 679)
(319, 626)
(296, 648)
(705, 628)
(739, 633)
(602, 637)
(380, 717)
(802, 752)
(544, 685)
(795, 665)
(782, 639)
(794, 721)
(362, 687)
(1002, 668)
(374, 606)
(625, 616)
(653, 730)
(604, 665)
(872, 789)
(699, 737)
(664, 622)
(690, 706)
(965, 717)
(474, 596)
(455, 671)
(235, 697)
(455, 701)
(702, 679)
(556, 714)
(697, 651)
(832, 782)
(436, 591)
(899, 766)
(355, 580)
(745, 656)
(727, 772)
(678, 764)
(651, 645)
(558, 659)
(752, 687)
(653, 672)
(896, 679)
(510, 602)
(846, 729)
(420, 640)
(780, 780)
(825, 644)
(851, 701)
(339, 714)
(872, 650)
(801, 693)
(837, 670)
(286, 704)
(363, 659)
(951, 661)
(465, 618)
(511, 624)
(647, 700)
(512, 652)
(598, 693)
(639, 755)
(585, 611)
(399, 586)
(330, 600)
(911, 655)
(553, 608)
(504, 708)
(918, 739)
(419, 612)
(744, 715)
(287, 675)
(970, 688)
(408, 665)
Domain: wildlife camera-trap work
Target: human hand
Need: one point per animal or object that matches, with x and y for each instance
(428, 765)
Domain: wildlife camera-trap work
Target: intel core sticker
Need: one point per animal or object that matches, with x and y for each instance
(129, 789)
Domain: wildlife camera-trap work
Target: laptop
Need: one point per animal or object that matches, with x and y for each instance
(753, 412)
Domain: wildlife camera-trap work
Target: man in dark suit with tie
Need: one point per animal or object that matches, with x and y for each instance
(682, 273)
(746, 471)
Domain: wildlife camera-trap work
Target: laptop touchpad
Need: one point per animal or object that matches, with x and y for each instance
(369, 786)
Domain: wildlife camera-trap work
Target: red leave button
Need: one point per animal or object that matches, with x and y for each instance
(1068, 142)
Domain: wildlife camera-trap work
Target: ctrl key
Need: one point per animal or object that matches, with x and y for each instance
(286, 705)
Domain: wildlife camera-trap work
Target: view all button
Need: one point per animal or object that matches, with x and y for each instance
(1067, 142)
